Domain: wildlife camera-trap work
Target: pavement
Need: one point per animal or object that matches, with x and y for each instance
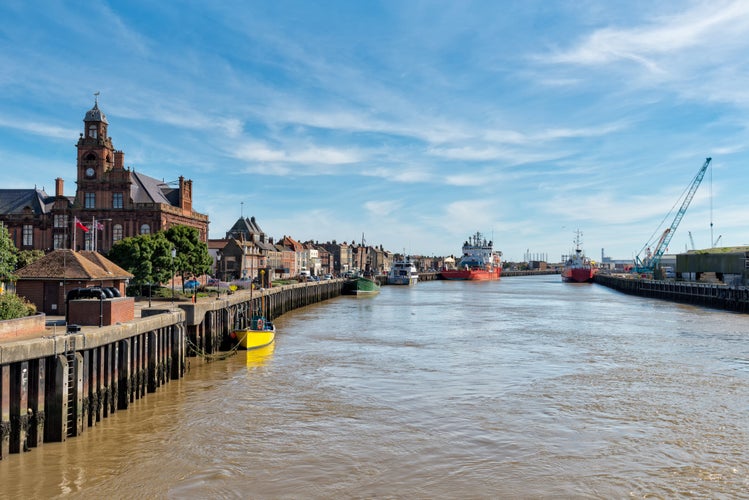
(56, 325)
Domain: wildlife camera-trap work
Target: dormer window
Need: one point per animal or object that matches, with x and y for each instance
(92, 132)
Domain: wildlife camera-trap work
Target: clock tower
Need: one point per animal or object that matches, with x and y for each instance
(95, 152)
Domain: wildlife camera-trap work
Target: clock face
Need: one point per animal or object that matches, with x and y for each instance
(89, 172)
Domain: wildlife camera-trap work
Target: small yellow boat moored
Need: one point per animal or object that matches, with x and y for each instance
(260, 334)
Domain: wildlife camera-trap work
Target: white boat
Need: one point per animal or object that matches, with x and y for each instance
(403, 272)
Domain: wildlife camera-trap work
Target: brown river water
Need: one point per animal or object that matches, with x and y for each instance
(522, 388)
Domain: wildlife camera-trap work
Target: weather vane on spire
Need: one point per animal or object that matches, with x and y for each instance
(96, 97)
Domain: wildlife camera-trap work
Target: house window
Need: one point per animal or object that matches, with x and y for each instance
(116, 232)
(145, 229)
(92, 131)
(59, 241)
(116, 200)
(28, 235)
(61, 221)
(89, 200)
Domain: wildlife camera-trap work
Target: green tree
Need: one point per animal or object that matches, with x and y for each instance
(192, 257)
(163, 264)
(147, 257)
(134, 255)
(8, 255)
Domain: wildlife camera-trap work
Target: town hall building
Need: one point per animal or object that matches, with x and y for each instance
(111, 201)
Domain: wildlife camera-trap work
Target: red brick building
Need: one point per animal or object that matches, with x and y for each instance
(47, 281)
(112, 201)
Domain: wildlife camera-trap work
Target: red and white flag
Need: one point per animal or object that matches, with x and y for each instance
(80, 225)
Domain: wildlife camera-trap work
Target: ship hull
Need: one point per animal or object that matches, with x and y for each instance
(360, 286)
(472, 274)
(249, 339)
(402, 280)
(578, 275)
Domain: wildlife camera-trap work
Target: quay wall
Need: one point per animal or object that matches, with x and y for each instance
(529, 273)
(53, 386)
(431, 276)
(435, 275)
(22, 326)
(714, 295)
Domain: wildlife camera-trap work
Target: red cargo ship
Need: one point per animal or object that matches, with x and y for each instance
(479, 261)
(578, 268)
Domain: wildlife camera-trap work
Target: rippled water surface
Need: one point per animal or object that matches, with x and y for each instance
(526, 387)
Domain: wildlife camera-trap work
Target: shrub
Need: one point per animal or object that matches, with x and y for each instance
(12, 306)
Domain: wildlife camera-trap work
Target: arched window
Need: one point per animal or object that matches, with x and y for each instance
(145, 229)
(90, 157)
(116, 232)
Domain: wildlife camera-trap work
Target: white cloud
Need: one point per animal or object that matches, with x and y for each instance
(261, 152)
(40, 129)
(700, 27)
(382, 208)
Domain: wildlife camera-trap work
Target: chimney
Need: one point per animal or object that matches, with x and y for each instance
(58, 187)
(185, 194)
(119, 160)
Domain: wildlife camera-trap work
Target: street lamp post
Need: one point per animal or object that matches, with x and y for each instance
(218, 275)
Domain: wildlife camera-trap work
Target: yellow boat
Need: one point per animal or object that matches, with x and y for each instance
(260, 334)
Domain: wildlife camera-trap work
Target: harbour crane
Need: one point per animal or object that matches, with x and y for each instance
(653, 259)
(691, 240)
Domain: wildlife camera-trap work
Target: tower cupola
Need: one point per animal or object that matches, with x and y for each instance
(95, 122)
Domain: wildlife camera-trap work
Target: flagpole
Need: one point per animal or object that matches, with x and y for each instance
(75, 219)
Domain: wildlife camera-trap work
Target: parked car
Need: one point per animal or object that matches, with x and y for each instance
(192, 284)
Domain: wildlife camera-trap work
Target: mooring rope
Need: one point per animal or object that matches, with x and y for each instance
(213, 357)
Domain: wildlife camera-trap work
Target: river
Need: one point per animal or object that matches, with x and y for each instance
(522, 388)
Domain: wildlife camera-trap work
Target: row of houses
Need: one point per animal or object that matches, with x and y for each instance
(246, 250)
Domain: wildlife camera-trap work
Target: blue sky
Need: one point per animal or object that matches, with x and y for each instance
(414, 122)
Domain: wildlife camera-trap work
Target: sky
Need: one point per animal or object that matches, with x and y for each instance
(410, 124)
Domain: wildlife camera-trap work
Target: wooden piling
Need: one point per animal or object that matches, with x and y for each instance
(52, 388)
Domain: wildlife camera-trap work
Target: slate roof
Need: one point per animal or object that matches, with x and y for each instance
(244, 227)
(15, 201)
(145, 189)
(95, 114)
(67, 264)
